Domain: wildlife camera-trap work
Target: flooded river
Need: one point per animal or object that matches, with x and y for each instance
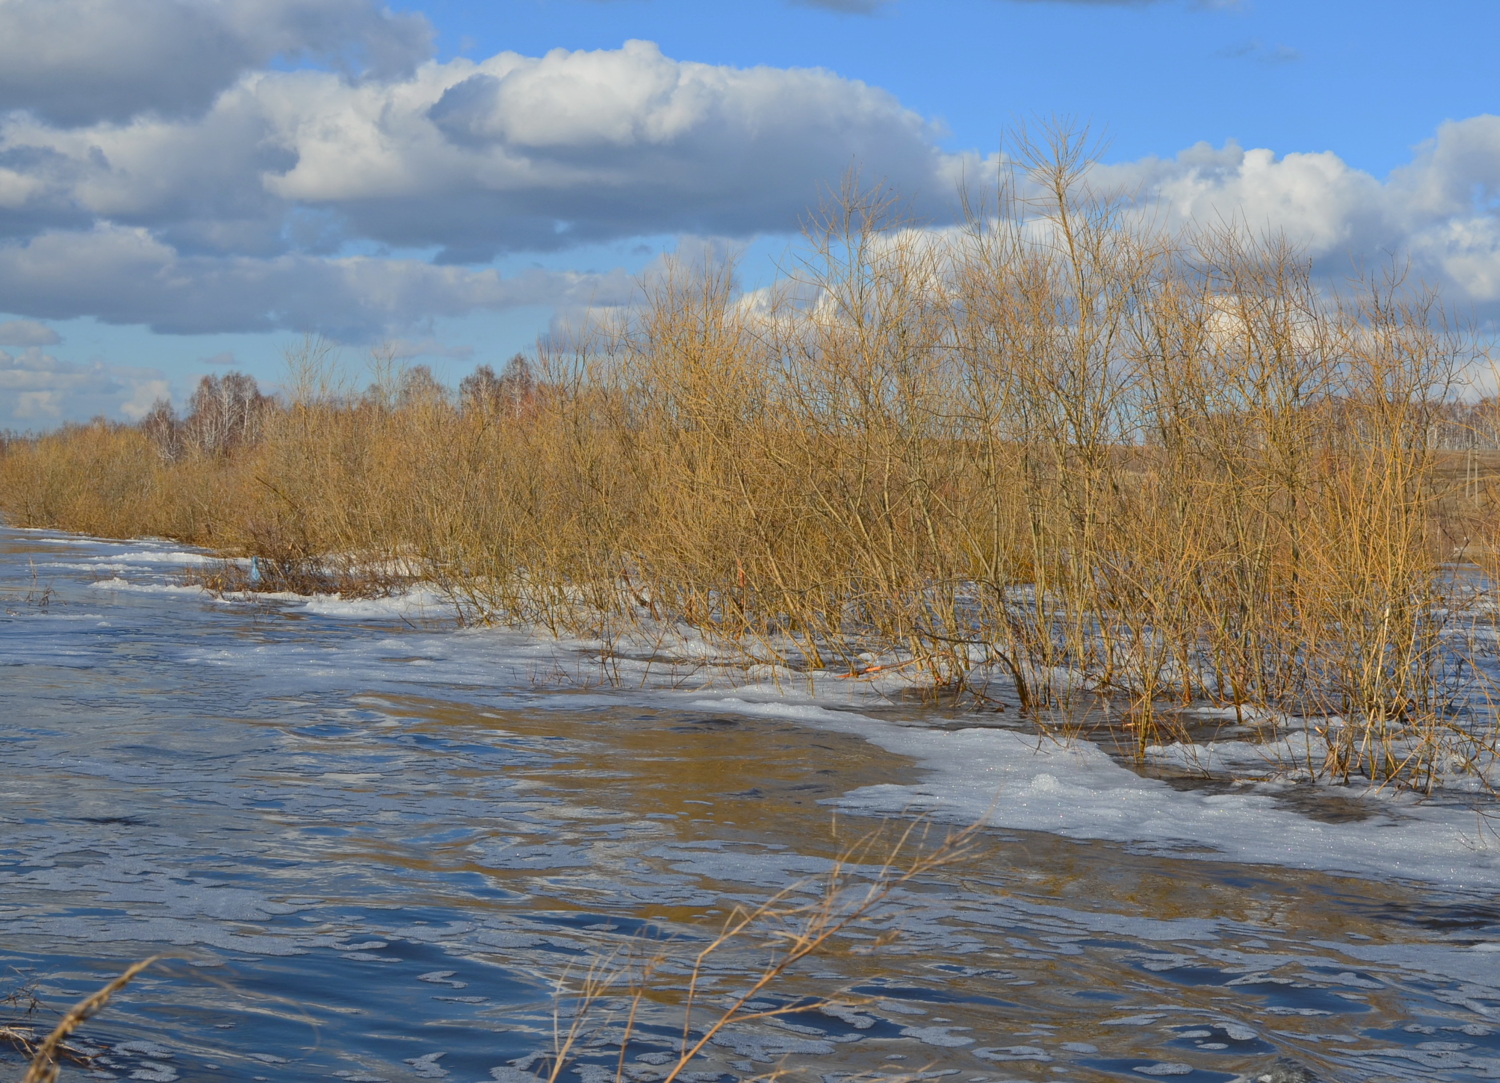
(371, 844)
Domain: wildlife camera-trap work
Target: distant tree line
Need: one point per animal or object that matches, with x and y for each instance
(229, 411)
(513, 392)
(224, 413)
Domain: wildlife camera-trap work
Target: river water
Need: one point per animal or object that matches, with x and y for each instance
(371, 844)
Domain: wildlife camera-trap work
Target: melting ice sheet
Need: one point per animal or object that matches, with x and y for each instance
(373, 841)
(1016, 780)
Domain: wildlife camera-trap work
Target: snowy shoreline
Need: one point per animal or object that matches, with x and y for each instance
(1013, 779)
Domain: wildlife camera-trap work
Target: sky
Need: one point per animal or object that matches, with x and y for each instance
(193, 186)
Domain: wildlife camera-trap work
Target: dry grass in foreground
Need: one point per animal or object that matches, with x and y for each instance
(699, 989)
(47, 1055)
(1054, 444)
(798, 923)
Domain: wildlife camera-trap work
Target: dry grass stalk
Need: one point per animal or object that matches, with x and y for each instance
(791, 928)
(44, 1064)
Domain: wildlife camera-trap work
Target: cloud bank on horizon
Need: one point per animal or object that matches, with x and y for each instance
(206, 166)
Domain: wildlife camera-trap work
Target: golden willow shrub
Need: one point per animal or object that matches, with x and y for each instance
(1159, 468)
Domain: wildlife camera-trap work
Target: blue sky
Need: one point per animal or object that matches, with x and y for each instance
(192, 185)
(1366, 79)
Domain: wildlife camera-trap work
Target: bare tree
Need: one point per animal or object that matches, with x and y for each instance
(418, 386)
(164, 430)
(509, 393)
(226, 411)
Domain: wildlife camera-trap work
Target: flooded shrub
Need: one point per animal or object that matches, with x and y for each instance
(1054, 448)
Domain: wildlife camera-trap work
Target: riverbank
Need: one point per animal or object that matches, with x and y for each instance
(1229, 793)
(341, 811)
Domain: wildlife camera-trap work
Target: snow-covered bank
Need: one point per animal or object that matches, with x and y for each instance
(1015, 780)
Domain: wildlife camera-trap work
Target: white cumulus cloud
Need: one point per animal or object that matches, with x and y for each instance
(78, 61)
(512, 154)
(124, 275)
(1439, 210)
(37, 390)
(536, 153)
(292, 198)
(194, 223)
(27, 333)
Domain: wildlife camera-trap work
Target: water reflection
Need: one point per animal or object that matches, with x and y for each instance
(372, 858)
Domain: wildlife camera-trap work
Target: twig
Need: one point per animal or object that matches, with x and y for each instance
(868, 670)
